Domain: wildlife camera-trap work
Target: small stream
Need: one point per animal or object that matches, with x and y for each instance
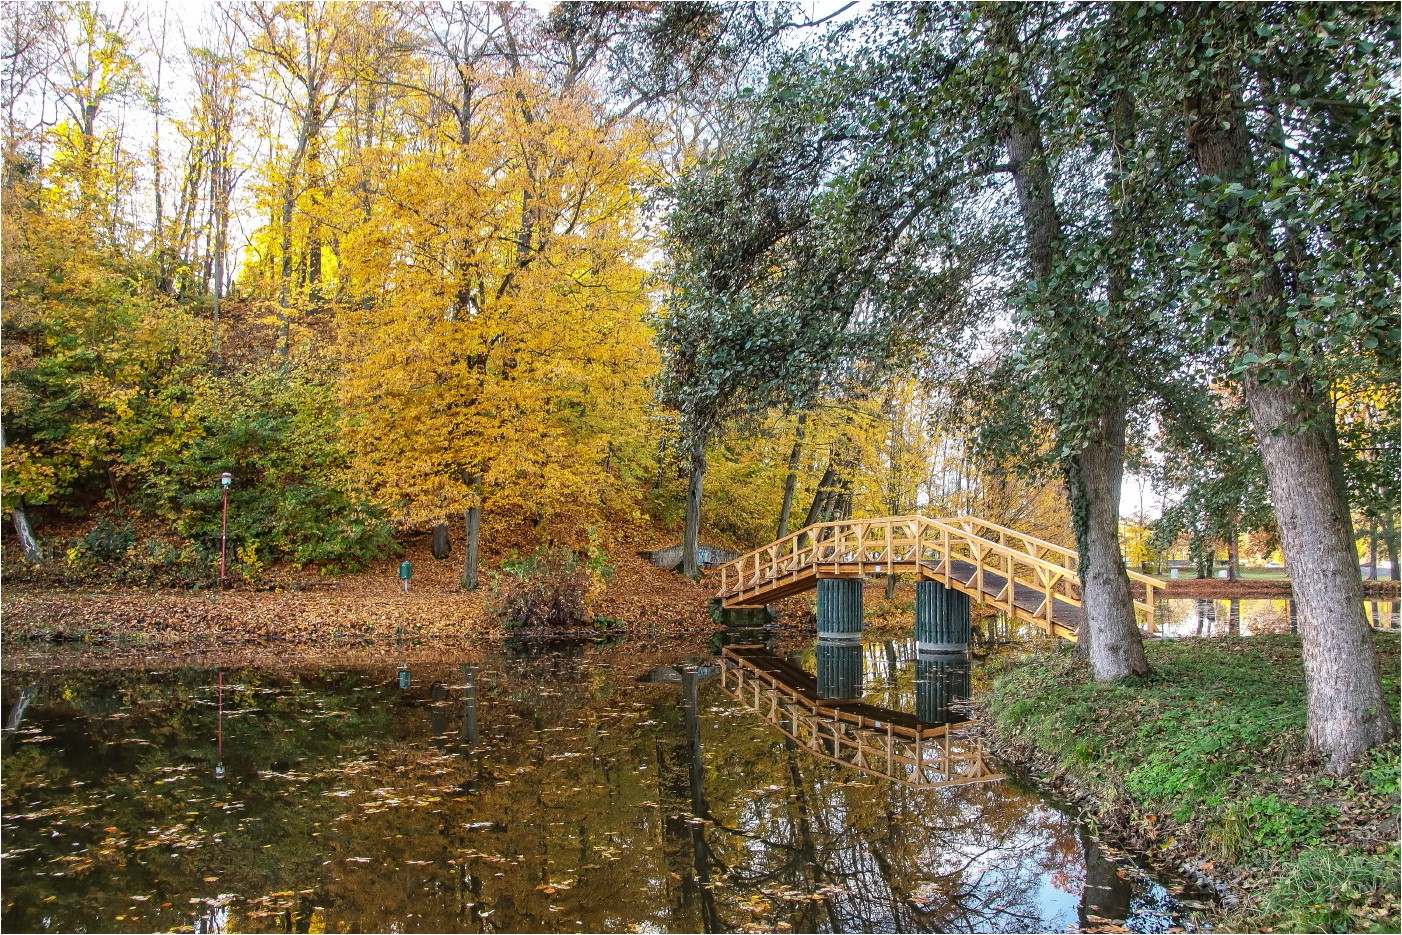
(527, 789)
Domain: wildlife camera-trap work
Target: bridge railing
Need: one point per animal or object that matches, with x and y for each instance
(1062, 555)
(908, 543)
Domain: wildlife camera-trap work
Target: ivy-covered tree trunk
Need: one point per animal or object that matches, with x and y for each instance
(691, 536)
(821, 495)
(1292, 421)
(1115, 648)
(791, 478)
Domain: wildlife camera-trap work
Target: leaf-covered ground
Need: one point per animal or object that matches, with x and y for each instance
(347, 611)
(1204, 765)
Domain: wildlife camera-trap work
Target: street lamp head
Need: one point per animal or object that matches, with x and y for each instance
(226, 479)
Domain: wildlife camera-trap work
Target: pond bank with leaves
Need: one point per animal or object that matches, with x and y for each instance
(343, 614)
(1202, 767)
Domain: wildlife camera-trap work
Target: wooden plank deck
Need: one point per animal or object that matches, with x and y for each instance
(964, 577)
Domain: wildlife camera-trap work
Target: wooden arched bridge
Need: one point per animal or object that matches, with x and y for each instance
(1027, 577)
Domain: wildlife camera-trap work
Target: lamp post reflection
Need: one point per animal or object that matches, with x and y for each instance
(219, 732)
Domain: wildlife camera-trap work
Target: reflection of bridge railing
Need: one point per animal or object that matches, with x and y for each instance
(889, 744)
(1029, 578)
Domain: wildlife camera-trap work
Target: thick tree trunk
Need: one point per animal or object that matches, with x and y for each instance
(791, 478)
(1347, 713)
(691, 536)
(1233, 555)
(441, 547)
(1116, 649)
(473, 521)
(29, 546)
(1347, 710)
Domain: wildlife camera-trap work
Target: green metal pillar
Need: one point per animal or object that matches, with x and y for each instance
(840, 609)
(941, 618)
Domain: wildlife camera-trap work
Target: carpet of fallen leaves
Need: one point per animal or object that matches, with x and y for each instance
(313, 615)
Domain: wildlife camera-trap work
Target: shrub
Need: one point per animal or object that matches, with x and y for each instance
(548, 590)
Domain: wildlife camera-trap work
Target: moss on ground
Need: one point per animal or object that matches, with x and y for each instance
(1206, 759)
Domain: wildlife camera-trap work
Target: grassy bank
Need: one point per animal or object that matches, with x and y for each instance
(1203, 764)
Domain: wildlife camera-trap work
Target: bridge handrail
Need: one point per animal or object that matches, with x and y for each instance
(851, 543)
(1071, 555)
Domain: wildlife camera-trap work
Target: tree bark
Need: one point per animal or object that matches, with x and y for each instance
(1390, 541)
(791, 478)
(29, 546)
(820, 495)
(1116, 649)
(691, 537)
(473, 521)
(1233, 555)
(1373, 550)
(1347, 712)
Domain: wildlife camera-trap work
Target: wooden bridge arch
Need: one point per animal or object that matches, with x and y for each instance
(1027, 577)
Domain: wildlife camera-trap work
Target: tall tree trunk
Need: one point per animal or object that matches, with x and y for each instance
(691, 537)
(1115, 648)
(1373, 549)
(472, 519)
(791, 478)
(1233, 554)
(1347, 711)
(820, 495)
(1390, 541)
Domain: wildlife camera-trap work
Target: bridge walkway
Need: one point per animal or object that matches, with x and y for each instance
(1027, 577)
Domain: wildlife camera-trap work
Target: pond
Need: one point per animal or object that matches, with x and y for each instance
(551, 788)
(1179, 617)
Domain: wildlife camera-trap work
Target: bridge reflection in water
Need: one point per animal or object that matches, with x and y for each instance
(924, 751)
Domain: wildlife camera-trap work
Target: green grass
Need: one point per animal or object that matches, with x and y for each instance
(1210, 750)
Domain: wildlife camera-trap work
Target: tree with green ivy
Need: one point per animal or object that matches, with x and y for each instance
(793, 275)
(1287, 115)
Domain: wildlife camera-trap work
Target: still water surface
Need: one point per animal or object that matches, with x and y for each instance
(1179, 617)
(527, 790)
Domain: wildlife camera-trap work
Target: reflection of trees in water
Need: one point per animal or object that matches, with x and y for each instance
(517, 795)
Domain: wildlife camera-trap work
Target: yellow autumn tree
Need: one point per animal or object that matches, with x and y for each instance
(495, 346)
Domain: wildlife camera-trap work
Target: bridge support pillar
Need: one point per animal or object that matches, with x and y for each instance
(940, 680)
(839, 667)
(942, 620)
(840, 609)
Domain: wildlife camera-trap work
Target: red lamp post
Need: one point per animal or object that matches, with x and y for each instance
(225, 480)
